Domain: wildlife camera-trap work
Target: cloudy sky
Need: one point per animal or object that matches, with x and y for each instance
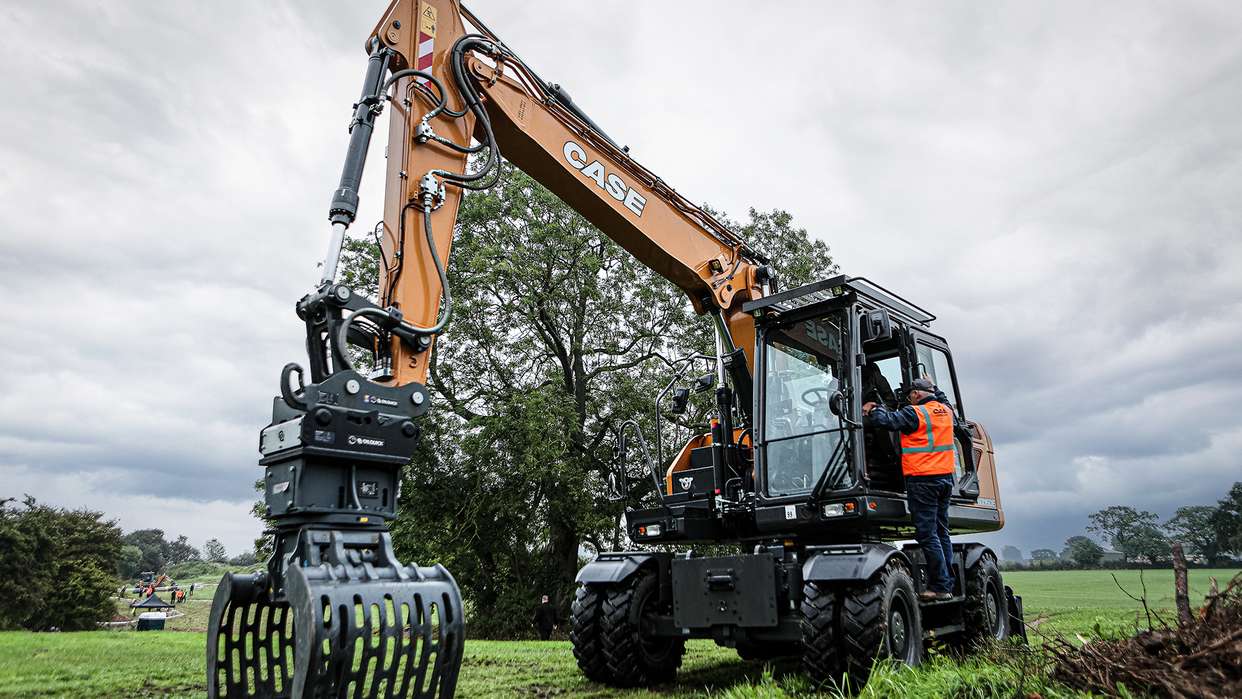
(1060, 182)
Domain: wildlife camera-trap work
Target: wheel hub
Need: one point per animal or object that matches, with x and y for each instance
(897, 632)
(991, 609)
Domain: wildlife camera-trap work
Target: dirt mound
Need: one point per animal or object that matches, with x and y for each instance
(1200, 659)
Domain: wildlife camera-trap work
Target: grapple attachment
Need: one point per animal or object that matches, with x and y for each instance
(357, 625)
(336, 614)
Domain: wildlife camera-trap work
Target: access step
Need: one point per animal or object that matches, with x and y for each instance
(938, 603)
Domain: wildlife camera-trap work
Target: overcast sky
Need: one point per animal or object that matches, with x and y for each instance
(1060, 182)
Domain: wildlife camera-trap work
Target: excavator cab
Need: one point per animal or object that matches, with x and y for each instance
(821, 352)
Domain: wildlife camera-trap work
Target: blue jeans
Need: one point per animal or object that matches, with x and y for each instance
(928, 497)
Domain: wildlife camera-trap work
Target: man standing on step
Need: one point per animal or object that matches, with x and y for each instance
(928, 458)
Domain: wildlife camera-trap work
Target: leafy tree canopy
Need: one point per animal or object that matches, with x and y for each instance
(1082, 551)
(57, 565)
(1134, 533)
(214, 551)
(1195, 526)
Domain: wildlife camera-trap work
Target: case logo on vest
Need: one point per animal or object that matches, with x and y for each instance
(609, 182)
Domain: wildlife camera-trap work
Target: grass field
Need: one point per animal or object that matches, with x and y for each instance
(1076, 601)
(128, 664)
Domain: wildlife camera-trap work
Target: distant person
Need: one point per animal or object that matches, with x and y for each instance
(545, 618)
(928, 458)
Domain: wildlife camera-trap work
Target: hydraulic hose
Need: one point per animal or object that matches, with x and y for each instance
(441, 101)
(342, 334)
(457, 62)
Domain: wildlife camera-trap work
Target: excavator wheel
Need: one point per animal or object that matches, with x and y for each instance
(629, 657)
(820, 660)
(986, 609)
(586, 634)
(880, 619)
(394, 636)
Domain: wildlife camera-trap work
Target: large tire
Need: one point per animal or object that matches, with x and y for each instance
(585, 632)
(985, 611)
(820, 660)
(632, 660)
(880, 620)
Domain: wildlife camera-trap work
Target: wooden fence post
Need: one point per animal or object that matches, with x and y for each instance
(1179, 585)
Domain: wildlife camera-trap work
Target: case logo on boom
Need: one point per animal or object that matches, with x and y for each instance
(609, 182)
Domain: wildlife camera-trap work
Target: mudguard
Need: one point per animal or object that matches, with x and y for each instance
(1017, 623)
(974, 552)
(618, 566)
(848, 563)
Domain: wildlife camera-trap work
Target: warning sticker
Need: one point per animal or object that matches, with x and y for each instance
(427, 20)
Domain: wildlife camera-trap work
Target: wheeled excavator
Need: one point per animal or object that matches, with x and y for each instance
(787, 472)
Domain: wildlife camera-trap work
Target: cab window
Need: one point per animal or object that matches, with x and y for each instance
(935, 363)
(803, 366)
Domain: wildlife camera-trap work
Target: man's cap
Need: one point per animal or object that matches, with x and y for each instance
(920, 385)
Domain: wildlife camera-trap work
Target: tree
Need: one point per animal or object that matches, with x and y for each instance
(1012, 554)
(244, 559)
(1149, 543)
(1228, 520)
(1196, 527)
(57, 564)
(214, 551)
(1043, 555)
(155, 549)
(180, 551)
(129, 562)
(1082, 551)
(557, 337)
(1134, 533)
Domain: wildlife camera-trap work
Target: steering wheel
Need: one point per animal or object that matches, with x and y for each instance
(827, 393)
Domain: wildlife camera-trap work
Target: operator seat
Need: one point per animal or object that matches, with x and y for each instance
(876, 387)
(883, 454)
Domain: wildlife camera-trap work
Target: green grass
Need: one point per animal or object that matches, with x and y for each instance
(1077, 601)
(101, 664)
(130, 664)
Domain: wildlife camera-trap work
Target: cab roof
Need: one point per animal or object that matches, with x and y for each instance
(833, 288)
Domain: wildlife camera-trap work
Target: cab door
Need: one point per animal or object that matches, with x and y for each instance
(929, 356)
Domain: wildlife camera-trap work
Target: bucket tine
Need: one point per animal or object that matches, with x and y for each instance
(249, 641)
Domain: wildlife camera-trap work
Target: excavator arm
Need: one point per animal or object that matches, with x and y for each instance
(511, 112)
(335, 613)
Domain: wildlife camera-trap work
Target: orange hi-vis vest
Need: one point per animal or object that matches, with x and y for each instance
(929, 450)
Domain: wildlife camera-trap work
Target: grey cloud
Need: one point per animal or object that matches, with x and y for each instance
(1071, 174)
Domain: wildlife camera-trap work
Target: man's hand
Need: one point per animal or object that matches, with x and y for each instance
(868, 407)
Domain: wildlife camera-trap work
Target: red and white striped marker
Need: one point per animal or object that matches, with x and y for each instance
(426, 41)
